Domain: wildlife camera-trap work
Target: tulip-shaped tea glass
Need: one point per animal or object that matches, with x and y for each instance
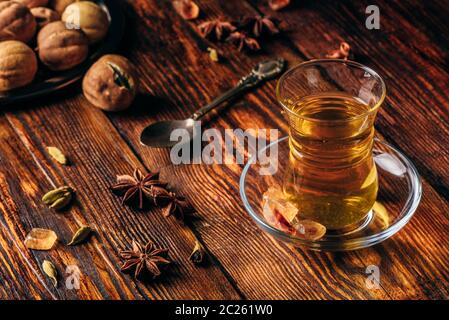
(334, 186)
(331, 106)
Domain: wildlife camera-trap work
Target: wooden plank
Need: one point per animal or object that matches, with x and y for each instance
(97, 154)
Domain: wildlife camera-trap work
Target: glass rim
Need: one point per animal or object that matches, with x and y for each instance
(282, 79)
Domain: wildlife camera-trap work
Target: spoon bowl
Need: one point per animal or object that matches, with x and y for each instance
(158, 134)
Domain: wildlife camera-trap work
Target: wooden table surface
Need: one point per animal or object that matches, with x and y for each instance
(411, 52)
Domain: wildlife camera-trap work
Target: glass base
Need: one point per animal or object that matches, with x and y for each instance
(398, 197)
(356, 227)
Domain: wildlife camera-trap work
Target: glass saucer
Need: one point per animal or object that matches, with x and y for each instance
(399, 195)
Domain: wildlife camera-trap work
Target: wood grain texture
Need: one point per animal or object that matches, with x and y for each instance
(176, 77)
(97, 154)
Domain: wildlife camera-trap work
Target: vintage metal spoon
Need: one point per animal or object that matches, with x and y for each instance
(157, 135)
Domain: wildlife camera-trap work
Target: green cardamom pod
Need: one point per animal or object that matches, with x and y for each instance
(58, 198)
(80, 236)
(57, 155)
(50, 271)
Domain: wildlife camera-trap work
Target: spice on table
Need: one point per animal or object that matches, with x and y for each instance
(260, 25)
(177, 206)
(278, 4)
(40, 239)
(139, 187)
(146, 259)
(58, 198)
(57, 155)
(216, 29)
(243, 41)
(186, 9)
(80, 236)
(343, 52)
(213, 54)
(198, 253)
(50, 270)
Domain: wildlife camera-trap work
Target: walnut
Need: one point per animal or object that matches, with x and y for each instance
(89, 17)
(61, 48)
(33, 3)
(44, 16)
(16, 22)
(60, 5)
(110, 84)
(18, 65)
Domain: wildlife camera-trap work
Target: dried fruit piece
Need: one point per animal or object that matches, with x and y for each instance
(58, 198)
(283, 215)
(18, 65)
(216, 29)
(57, 155)
(61, 48)
(198, 253)
(33, 3)
(140, 187)
(44, 16)
(343, 52)
(89, 17)
(111, 83)
(277, 210)
(40, 239)
(309, 230)
(186, 9)
(16, 22)
(213, 54)
(50, 271)
(242, 41)
(80, 236)
(278, 4)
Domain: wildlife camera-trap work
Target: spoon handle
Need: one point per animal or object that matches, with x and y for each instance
(261, 72)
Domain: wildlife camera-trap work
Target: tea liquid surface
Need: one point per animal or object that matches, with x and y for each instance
(332, 178)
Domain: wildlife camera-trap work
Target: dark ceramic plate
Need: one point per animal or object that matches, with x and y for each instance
(47, 81)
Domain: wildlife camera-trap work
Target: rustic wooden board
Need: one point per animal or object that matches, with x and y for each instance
(176, 77)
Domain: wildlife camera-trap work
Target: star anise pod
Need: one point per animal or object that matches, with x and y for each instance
(242, 41)
(139, 187)
(260, 25)
(343, 52)
(141, 259)
(177, 206)
(216, 29)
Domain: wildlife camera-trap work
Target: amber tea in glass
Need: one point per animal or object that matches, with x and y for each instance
(331, 106)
